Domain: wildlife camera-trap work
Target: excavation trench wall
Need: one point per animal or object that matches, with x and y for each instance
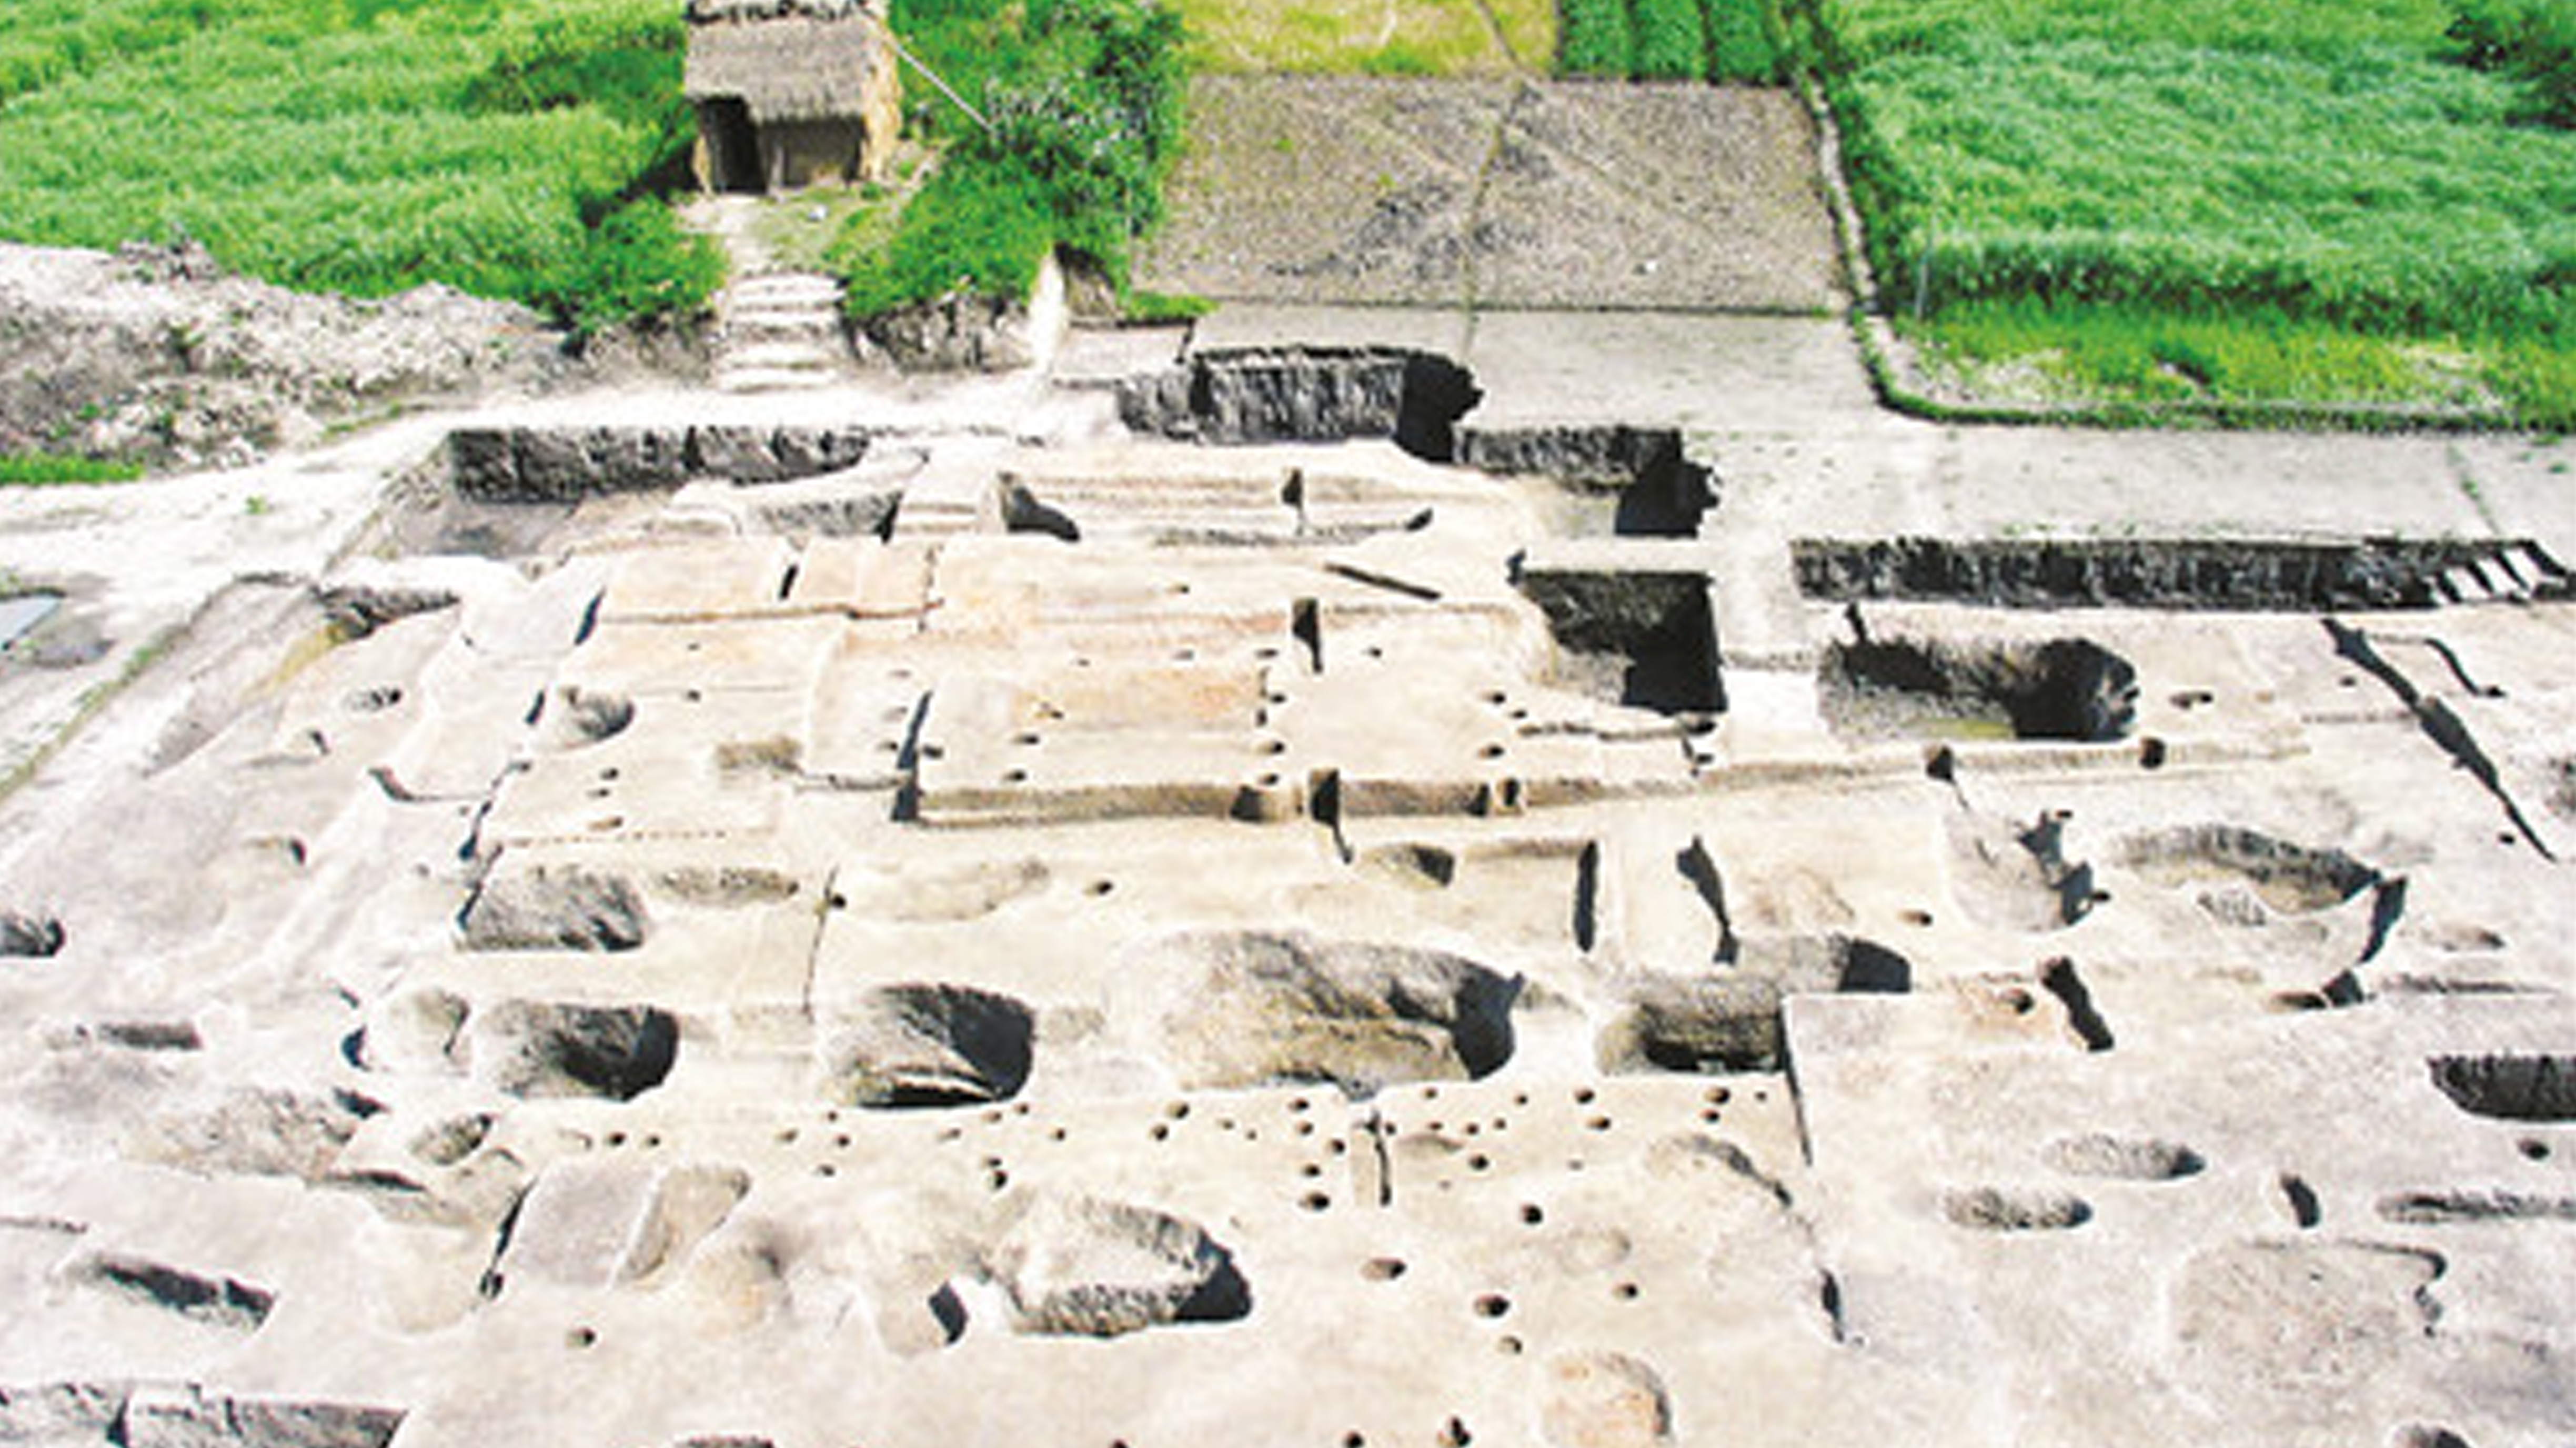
(558, 464)
(2180, 573)
(1305, 394)
(1420, 400)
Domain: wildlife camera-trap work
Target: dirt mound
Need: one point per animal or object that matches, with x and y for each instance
(157, 355)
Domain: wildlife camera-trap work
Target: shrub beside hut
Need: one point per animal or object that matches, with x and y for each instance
(792, 93)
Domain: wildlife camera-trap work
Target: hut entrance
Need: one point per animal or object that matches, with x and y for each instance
(733, 146)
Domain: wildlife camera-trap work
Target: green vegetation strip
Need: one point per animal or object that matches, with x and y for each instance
(1079, 106)
(1369, 37)
(2338, 204)
(363, 146)
(1736, 41)
(37, 469)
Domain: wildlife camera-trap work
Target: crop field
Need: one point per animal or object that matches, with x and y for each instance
(1370, 37)
(1736, 41)
(2317, 200)
(362, 146)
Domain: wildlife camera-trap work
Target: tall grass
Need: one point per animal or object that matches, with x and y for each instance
(1746, 42)
(1738, 41)
(2532, 39)
(355, 146)
(1080, 104)
(1595, 37)
(1671, 45)
(2370, 192)
(2302, 166)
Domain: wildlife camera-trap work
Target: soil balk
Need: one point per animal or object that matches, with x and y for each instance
(2247, 575)
(1306, 394)
(547, 464)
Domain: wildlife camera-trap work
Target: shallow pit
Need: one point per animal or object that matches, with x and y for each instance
(2069, 689)
(1643, 639)
(931, 1045)
(2512, 1088)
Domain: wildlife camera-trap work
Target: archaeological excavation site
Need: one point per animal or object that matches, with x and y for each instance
(1476, 846)
(1300, 916)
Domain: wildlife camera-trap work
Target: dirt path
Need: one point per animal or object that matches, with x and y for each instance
(778, 329)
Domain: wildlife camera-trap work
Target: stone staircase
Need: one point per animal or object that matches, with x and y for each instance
(781, 332)
(2514, 573)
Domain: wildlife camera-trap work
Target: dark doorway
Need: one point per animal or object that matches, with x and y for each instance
(733, 146)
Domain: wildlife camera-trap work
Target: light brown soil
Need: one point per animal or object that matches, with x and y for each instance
(1490, 194)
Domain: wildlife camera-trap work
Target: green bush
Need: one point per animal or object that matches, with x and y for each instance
(1594, 37)
(1670, 44)
(980, 229)
(1083, 99)
(2533, 39)
(636, 263)
(1745, 42)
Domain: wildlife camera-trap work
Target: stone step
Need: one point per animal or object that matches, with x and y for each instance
(2538, 575)
(785, 289)
(821, 331)
(2523, 568)
(784, 354)
(776, 311)
(780, 306)
(2491, 577)
(784, 351)
(771, 379)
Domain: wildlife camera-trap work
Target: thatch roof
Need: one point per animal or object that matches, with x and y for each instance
(794, 68)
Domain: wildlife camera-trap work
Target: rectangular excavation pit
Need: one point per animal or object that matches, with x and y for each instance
(1305, 394)
(2069, 689)
(562, 464)
(1644, 638)
(1628, 482)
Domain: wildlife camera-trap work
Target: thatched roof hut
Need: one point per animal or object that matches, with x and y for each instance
(791, 92)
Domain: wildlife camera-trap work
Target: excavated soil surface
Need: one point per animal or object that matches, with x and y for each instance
(1496, 194)
(938, 941)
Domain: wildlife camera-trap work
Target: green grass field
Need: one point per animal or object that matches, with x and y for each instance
(1735, 41)
(2168, 200)
(1370, 37)
(1079, 107)
(362, 146)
